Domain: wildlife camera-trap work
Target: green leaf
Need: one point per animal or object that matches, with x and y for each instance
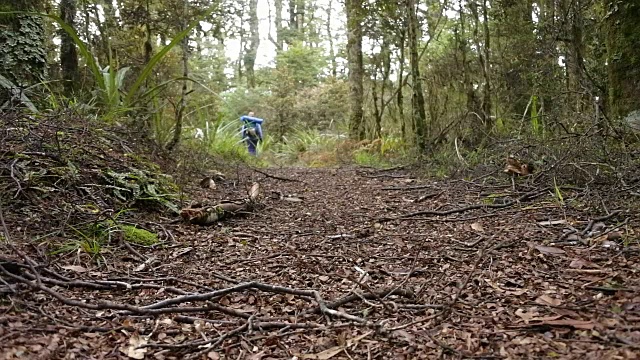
(7, 84)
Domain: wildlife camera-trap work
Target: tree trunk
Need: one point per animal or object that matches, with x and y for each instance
(486, 109)
(68, 51)
(293, 23)
(239, 72)
(278, 42)
(148, 47)
(417, 99)
(332, 52)
(87, 21)
(354, 58)
(252, 44)
(623, 52)
(399, 95)
(177, 133)
(23, 60)
(301, 9)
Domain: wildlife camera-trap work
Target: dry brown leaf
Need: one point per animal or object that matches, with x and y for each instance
(76, 268)
(404, 335)
(255, 191)
(477, 227)
(552, 222)
(329, 353)
(257, 356)
(526, 316)
(515, 166)
(550, 250)
(493, 285)
(134, 342)
(578, 324)
(548, 300)
(324, 355)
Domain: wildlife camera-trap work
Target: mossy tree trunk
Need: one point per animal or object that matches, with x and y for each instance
(417, 99)
(23, 58)
(623, 55)
(354, 58)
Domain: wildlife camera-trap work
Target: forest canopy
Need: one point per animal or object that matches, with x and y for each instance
(422, 77)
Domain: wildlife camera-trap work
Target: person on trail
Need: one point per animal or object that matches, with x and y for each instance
(251, 131)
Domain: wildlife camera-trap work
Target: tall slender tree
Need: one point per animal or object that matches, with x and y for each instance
(251, 49)
(417, 98)
(68, 51)
(354, 12)
(329, 30)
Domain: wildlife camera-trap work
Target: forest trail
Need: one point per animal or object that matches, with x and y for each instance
(462, 281)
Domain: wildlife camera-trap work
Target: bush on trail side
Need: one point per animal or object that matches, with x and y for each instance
(63, 171)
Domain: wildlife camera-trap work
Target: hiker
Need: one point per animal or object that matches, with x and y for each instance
(251, 131)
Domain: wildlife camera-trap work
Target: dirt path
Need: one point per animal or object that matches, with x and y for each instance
(482, 283)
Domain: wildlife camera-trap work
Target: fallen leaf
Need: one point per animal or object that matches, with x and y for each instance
(140, 267)
(548, 300)
(552, 222)
(324, 355)
(329, 353)
(76, 268)
(550, 250)
(477, 227)
(257, 356)
(578, 324)
(577, 264)
(181, 252)
(526, 316)
(404, 335)
(134, 342)
(615, 235)
(255, 191)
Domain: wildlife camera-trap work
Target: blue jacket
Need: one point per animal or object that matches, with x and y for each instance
(246, 120)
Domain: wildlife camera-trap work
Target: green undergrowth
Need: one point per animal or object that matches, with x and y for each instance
(95, 238)
(316, 149)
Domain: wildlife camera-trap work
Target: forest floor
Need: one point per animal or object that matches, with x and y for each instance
(343, 263)
(405, 269)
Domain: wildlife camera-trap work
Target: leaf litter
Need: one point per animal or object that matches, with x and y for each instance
(279, 284)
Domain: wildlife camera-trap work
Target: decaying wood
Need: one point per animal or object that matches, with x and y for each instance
(518, 167)
(210, 214)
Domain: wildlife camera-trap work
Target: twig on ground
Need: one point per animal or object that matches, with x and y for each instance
(527, 196)
(599, 219)
(24, 256)
(277, 177)
(409, 188)
(134, 251)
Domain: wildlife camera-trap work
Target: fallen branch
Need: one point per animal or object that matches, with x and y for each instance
(369, 296)
(599, 219)
(277, 177)
(406, 188)
(211, 214)
(393, 176)
(527, 196)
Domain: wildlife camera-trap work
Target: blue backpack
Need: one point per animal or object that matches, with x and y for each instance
(251, 127)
